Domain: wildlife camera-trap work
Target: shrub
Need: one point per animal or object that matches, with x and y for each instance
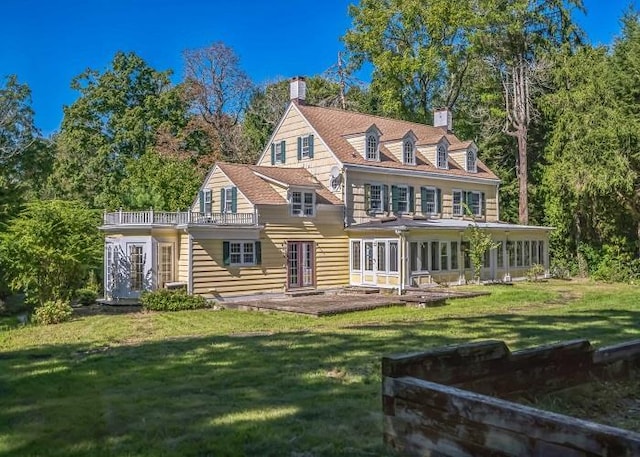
(534, 273)
(86, 296)
(171, 300)
(52, 312)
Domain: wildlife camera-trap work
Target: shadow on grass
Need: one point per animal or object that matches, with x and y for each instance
(306, 393)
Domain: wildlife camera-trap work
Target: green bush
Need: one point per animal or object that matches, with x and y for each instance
(171, 300)
(86, 296)
(52, 312)
(535, 272)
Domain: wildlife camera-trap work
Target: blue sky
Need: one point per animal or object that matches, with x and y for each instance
(47, 43)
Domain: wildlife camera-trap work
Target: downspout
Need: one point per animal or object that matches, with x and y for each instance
(497, 202)
(344, 196)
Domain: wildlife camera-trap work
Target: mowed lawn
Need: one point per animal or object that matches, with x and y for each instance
(231, 383)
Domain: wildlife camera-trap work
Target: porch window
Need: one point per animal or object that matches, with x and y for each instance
(541, 252)
(165, 264)
(368, 256)
(519, 253)
(534, 252)
(454, 255)
(136, 267)
(393, 256)
(355, 255)
(527, 253)
(382, 256)
(444, 255)
(435, 256)
(511, 252)
(500, 254)
(465, 253)
(241, 253)
(424, 256)
(413, 256)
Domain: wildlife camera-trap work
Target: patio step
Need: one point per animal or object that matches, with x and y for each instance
(304, 293)
(360, 290)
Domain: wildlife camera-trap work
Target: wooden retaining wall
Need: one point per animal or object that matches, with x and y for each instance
(443, 402)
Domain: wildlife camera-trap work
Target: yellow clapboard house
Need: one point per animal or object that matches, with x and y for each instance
(336, 198)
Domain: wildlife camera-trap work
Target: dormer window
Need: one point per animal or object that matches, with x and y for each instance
(441, 157)
(372, 151)
(303, 203)
(471, 161)
(409, 152)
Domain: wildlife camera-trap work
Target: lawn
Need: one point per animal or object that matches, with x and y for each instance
(231, 383)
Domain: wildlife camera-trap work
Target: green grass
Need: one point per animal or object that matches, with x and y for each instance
(229, 383)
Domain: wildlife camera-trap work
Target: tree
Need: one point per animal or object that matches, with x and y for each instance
(114, 121)
(218, 91)
(17, 134)
(170, 187)
(420, 52)
(480, 242)
(50, 248)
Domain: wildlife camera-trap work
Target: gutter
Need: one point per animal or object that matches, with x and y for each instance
(421, 173)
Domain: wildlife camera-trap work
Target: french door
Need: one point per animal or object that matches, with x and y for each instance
(300, 264)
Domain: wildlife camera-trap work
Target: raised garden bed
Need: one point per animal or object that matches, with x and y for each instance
(458, 400)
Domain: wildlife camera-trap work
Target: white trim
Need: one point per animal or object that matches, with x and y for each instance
(190, 265)
(419, 173)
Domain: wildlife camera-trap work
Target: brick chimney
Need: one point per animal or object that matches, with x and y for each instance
(442, 118)
(298, 89)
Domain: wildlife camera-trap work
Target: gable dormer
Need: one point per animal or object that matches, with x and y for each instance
(466, 155)
(372, 144)
(441, 156)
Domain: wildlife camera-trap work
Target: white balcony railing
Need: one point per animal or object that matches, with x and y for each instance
(176, 218)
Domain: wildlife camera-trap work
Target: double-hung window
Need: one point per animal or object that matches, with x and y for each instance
(303, 203)
(228, 199)
(241, 253)
(408, 152)
(474, 201)
(375, 201)
(206, 201)
(305, 147)
(429, 200)
(402, 200)
(458, 209)
(278, 154)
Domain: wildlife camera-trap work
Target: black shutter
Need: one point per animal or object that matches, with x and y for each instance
(438, 200)
(311, 146)
(234, 199)
(394, 199)
(385, 197)
(226, 253)
(201, 199)
(423, 200)
(258, 248)
(273, 154)
(299, 148)
(483, 204)
(222, 200)
(412, 199)
(284, 155)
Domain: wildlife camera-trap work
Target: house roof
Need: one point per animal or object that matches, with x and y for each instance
(404, 223)
(250, 180)
(335, 125)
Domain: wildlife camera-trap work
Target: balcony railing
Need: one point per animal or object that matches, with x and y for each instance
(177, 218)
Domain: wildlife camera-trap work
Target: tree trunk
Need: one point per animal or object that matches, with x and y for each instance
(523, 179)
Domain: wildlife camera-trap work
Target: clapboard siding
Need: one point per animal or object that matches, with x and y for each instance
(183, 258)
(357, 180)
(294, 126)
(211, 277)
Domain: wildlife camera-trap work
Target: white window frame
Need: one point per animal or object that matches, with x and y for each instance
(372, 147)
(409, 152)
(172, 263)
(228, 200)
(242, 253)
(277, 154)
(133, 271)
(306, 206)
(442, 160)
(457, 208)
(355, 258)
(305, 149)
(435, 198)
(380, 200)
(472, 161)
(207, 201)
(405, 201)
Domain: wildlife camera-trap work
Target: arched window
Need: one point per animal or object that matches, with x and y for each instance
(408, 152)
(372, 147)
(471, 161)
(441, 158)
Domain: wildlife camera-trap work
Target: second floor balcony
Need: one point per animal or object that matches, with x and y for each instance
(177, 218)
